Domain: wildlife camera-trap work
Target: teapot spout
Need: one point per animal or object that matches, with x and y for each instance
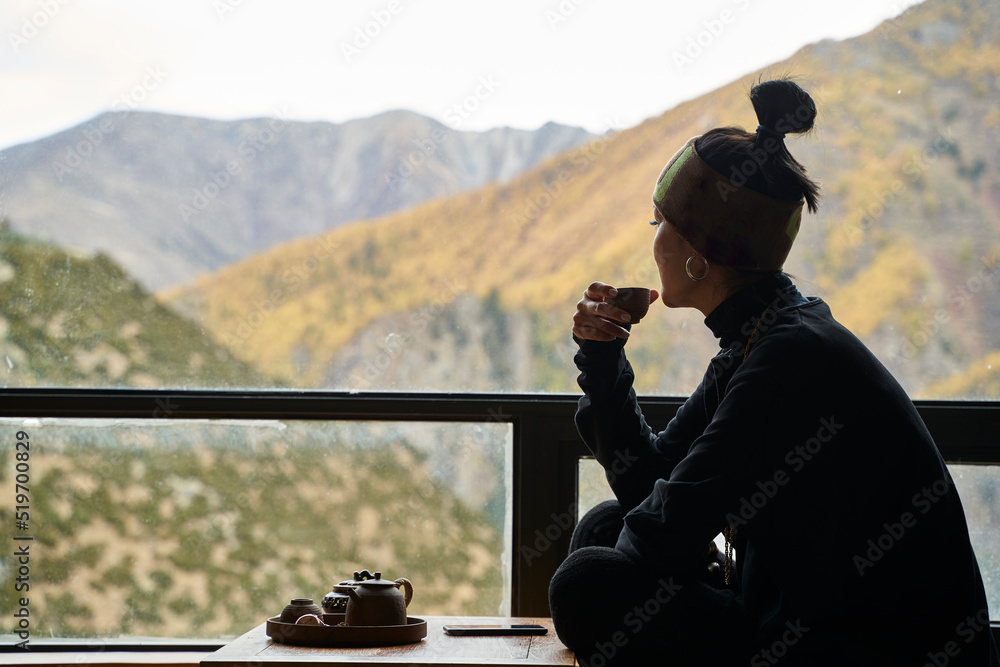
(354, 594)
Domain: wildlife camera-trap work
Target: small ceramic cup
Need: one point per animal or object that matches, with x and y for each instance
(633, 300)
(297, 608)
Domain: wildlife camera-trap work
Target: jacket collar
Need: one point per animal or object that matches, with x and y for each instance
(734, 319)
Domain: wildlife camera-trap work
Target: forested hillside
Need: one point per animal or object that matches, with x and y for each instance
(72, 319)
(206, 529)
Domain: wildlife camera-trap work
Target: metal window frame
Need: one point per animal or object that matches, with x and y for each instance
(546, 445)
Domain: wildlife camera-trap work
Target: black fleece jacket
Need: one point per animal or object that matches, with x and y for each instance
(849, 529)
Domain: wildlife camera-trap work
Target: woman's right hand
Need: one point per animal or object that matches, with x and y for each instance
(594, 315)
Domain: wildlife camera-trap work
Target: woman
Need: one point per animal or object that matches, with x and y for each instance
(850, 541)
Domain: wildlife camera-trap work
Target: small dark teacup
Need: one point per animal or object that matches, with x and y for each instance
(633, 300)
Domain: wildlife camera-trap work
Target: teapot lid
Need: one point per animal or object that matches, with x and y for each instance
(363, 575)
(376, 581)
(367, 578)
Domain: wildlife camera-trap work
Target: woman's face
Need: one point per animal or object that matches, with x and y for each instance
(671, 252)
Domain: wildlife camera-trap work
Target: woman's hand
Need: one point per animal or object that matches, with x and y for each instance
(712, 558)
(595, 318)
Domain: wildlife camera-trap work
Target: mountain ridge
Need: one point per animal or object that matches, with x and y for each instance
(170, 197)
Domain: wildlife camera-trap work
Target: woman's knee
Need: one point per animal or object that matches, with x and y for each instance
(599, 527)
(582, 574)
(610, 611)
(599, 600)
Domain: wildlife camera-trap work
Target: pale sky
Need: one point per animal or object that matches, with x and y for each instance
(593, 63)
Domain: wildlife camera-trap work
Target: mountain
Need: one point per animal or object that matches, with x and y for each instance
(906, 238)
(73, 320)
(171, 197)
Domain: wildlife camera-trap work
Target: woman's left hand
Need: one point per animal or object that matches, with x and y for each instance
(712, 558)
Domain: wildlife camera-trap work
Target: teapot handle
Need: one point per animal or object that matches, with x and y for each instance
(407, 589)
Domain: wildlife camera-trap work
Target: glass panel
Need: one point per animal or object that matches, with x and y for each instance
(206, 528)
(978, 486)
(182, 208)
(592, 486)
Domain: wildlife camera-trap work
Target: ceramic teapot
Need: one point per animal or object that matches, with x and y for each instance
(335, 602)
(378, 601)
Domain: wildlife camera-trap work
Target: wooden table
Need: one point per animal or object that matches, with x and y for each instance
(255, 648)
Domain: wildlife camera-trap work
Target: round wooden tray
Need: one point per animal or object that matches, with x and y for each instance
(346, 635)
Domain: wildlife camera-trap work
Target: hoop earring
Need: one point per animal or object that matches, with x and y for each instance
(687, 267)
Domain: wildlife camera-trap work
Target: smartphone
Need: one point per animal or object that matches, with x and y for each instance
(499, 629)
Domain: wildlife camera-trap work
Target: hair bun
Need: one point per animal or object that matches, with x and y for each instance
(782, 106)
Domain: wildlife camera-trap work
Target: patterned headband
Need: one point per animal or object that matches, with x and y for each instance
(728, 223)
